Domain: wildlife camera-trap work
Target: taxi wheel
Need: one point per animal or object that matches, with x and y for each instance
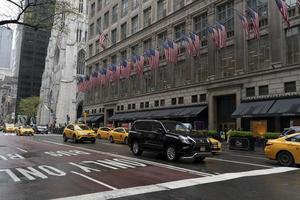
(285, 159)
(74, 139)
(111, 139)
(65, 138)
(126, 140)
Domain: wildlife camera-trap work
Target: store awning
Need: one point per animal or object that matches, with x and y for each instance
(253, 109)
(285, 107)
(93, 118)
(159, 114)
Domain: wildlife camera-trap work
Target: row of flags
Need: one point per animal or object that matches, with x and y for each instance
(191, 41)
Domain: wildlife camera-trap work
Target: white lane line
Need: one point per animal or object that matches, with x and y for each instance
(260, 158)
(22, 150)
(94, 180)
(176, 184)
(239, 162)
(136, 159)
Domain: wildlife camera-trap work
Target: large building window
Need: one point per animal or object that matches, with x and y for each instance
(250, 92)
(161, 9)
(293, 45)
(114, 36)
(113, 59)
(90, 50)
(135, 50)
(114, 14)
(202, 68)
(123, 31)
(80, 7)
(259, 54)
(178, 4)
(147, 17)
(147, 44)
(179, 30)
(290, 86)
(91, 30)
(228, 63)
(93, 9)
(98, 25)
(263, 90)
(99, 5)
(106, 20)
(160, 40)
(200, 27)
(261, 7)
(124, 55)
(124, 7)
(81, 62)
(97, 45)
(134, 24)
(135, 4)
(225, 15)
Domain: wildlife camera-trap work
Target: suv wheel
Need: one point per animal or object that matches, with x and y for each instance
(285, 159)
(136, 148)
(171, 153)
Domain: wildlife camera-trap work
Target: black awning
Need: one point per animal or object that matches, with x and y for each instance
(285, 107)
(93, 118)
(159, 114)
(253, 109)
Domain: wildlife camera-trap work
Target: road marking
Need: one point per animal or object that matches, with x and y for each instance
(111, 145)
(94, 180)
(239, 162)
(177, 184)
(22, 150)
(255, 157)
(136, 159)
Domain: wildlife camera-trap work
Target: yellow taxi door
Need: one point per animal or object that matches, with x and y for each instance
(294, 147)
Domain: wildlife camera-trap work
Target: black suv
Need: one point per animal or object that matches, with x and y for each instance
(168, 137)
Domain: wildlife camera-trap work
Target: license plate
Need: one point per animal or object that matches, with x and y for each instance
(215, 146)
(202, 148)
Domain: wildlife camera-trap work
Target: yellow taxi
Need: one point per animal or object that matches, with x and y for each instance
(216, 146)
(9, 128)
(79, 132)
(24, 130)
(286, 150)
(118, 135)
(103, 132)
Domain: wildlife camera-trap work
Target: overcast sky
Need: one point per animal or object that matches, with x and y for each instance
(8, 10)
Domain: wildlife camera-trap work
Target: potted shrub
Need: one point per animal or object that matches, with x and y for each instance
(241, 140)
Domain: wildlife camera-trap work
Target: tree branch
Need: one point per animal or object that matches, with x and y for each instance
(10, 1)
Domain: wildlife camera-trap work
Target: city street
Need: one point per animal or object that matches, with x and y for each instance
(43, 167)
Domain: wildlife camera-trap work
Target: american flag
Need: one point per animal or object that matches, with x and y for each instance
(255, 21)
(298, 3)
(172, 55)
(244, 22)
(94, 79)
(125, 69)
(102, 39)
(86, 82)
(283, 8)
(103, 76)
(80, 83)
(113, 71)
(196, 42)
(138, 64)
(215, 35)
(222, 35)
(189, 45)
(153, 58)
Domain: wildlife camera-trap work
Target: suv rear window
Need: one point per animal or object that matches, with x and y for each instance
(144, 126)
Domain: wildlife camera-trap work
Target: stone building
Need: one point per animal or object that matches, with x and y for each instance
(58, 91)
(6, 36)
(250, 83)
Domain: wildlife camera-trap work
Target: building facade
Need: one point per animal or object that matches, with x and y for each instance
(8, 96)
(238, 87)
(6, 35)
(58, 99)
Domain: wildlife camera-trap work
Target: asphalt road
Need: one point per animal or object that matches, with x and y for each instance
(43, 167)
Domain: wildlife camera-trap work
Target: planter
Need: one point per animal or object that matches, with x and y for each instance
(242, 143)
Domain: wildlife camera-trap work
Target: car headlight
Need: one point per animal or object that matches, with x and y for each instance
(184, 139)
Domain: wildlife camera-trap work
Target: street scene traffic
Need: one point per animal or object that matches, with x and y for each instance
(149, 99)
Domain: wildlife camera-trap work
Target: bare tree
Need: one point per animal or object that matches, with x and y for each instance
(39, 14)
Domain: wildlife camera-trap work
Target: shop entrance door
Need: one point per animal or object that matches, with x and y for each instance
(226, 105)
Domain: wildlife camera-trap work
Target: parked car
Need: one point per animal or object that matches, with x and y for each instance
(170, 138)
(79, 132)
(291, 130)
(103, 132)
(41, 129)
(9, 128)
(119, 134)
(24, 130)
(286, 150)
